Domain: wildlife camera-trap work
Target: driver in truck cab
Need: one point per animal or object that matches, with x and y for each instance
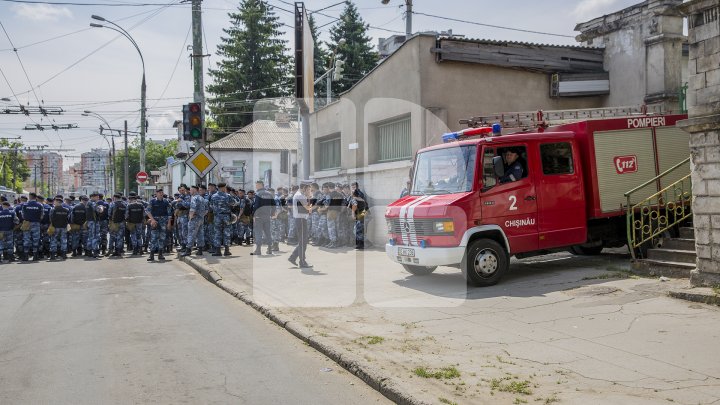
(513, 167)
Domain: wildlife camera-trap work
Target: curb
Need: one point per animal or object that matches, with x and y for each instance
(705, 298)
(371, 376)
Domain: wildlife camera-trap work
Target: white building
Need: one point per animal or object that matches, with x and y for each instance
(95, 171)
(264, 150)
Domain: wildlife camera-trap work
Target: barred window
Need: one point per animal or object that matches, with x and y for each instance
(393, 141)
(328, 153)
(238, 178)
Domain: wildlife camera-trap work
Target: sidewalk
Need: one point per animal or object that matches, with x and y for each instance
(558, 328)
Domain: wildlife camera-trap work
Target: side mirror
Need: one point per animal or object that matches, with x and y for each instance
(498, 166)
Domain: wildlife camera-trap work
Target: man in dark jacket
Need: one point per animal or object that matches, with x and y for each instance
(262, 207)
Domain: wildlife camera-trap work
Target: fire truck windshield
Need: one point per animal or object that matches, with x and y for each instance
(445, 171)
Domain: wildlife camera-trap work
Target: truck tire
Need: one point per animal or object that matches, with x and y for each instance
(485, 263)
(419, 270)
(586, 251)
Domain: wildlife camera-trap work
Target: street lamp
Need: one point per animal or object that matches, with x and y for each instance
(408, 17)
(334, 71)
(142, 87)
(88, 113)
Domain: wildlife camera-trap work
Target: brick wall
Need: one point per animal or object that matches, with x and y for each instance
(704, 127)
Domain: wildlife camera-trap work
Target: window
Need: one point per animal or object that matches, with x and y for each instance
(445, 171)
(265, 173)
(238, 177)
(328, 153)
(489, 179)
(556, 158)
(519, 154)
(394, 141)
(284, 160)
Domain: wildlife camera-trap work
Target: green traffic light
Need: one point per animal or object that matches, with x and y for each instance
(196, 133)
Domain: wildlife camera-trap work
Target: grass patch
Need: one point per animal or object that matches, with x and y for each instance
(446, 401)
(503, 361)
(716, 289)
(373, 340)
(519, 401)
(614, 274)
(549, 400)
(446, 373)
(369, 340)
(514, 386)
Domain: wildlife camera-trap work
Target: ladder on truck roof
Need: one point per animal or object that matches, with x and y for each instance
(540, 118)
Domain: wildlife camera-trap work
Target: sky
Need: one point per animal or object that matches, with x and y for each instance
(60, 61)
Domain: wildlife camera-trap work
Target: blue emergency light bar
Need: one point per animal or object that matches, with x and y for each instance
(459, 135)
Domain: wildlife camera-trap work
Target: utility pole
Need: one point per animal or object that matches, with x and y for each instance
(14, 168)
(127, 164)
(197, 64)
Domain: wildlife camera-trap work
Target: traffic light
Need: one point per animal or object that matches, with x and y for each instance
(192, 122)
(338, 74)
(195, 121)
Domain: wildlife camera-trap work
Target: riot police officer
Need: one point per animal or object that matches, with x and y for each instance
(116, 216)
(32, 213)
(221, 205)
(59, 220)
(8, 220)
(158, 211)
(78, 227)
(135, 215)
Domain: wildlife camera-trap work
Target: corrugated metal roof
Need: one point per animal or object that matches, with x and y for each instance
(261, 135)
(503, 42)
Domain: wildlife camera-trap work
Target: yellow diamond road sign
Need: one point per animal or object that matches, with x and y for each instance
(201, 162)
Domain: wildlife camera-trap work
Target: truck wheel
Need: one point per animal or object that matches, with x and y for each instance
(419, 270)
(586, 251)
(485, 263)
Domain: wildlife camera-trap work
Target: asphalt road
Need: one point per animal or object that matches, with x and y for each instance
(124, 331)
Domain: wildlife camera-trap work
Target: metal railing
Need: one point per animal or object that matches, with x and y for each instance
(654, 215)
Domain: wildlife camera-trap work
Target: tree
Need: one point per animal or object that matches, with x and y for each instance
(322, 60)
(357, 51)
(254, 66)
(156, 156)
(13, 166)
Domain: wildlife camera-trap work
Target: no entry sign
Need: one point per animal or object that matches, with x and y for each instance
(141, 177)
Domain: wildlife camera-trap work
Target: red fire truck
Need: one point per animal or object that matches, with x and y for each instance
(465, 211)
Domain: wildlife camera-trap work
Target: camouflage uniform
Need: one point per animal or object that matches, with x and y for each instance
(220, 203)
(17, 233)
(8, 220)
(245, 229)
(182, 220)
(79, 237)
(160, 211)
(315, 232)
(59, 218)
(103, 225)
(93, 227)
(116, 214)
(136, 233)
(209, 225)
(199, 208)
(32, 213)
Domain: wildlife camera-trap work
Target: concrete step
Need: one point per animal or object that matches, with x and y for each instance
(672, 255)
(687, 232)
(679, 243)
(656, 268)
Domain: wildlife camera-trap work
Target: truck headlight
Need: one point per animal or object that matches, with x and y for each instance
(444, 227)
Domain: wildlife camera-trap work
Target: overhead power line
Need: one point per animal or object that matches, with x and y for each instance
(70, 3)
(492, 26)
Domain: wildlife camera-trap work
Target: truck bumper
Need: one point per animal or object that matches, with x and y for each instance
(445, 256)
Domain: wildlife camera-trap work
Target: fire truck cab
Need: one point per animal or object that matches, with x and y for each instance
(465, 211)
